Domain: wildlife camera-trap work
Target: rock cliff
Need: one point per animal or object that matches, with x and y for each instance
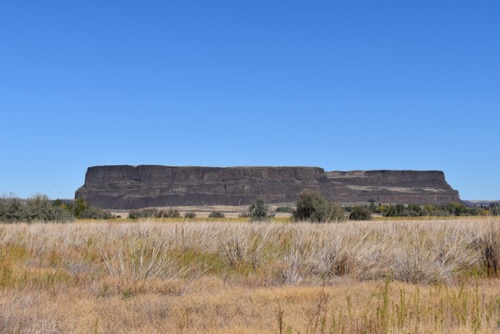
(128, 187)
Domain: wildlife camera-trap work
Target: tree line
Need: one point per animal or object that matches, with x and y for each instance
(310, 206)
(40, 208)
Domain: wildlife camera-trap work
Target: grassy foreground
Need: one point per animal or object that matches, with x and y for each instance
(149, 277)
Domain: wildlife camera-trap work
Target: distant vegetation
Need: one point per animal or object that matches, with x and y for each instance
(154, 213)
(40, 208)
(310, 206)
(451, 209)
(216, 214)
(313, 207)
(190, 215)
(360, 213)
(82, 210)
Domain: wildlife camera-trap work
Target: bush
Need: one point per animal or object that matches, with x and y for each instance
(414, 210)
(190, 215)
(259, 211)
(11, 209)
(216, 214)
(456, 209)
(78, 207)
(168, 213)
(360, 213)
(41, 208)
(284, 209)
(95, 213)
(313, 207)
(142, 213)
(36, 208)
(154, 213)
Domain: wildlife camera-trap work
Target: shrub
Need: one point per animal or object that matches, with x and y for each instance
(394, 210)
(478, 211)
(456, 209)
(414, 210)
(383, 209)
(95, 213)
(490, 242)
(360, 213)
(284, 209)
(259, 211)
(313, 207)
(142, 213)
(190, 215)
(216, 214)
(167, 213)
(11, 209)
(78, 207)
(154, 213)
(36, 208)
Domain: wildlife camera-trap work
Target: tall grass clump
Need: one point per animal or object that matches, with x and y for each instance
(433, 255)
(490, 245)
(139, 258)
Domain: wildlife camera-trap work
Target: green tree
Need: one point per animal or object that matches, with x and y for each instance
(259, 211)
(79, 206)
(373, 208)
(456, 209)
(311, 206)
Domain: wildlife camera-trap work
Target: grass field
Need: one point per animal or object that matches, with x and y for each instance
(435, 276)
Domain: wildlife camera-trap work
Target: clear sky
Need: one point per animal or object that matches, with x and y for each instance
(343, 85)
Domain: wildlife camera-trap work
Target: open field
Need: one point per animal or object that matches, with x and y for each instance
(436, 276)
(204, 211)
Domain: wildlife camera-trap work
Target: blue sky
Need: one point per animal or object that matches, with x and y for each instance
(343, 85)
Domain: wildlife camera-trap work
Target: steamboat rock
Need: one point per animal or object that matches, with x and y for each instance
(130, 187)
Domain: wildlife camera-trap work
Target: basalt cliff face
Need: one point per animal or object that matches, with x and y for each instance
(129, 187)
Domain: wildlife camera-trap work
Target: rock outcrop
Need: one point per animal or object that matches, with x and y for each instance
(128, 187)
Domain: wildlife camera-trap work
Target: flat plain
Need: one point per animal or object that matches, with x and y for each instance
(391, 276)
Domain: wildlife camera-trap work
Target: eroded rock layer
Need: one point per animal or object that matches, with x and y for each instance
(128, 187)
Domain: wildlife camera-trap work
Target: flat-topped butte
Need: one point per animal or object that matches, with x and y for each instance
(130, 187)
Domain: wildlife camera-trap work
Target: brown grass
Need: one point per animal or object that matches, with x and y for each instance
(149, 277)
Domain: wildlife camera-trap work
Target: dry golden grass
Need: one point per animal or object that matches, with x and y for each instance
(150, 277)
